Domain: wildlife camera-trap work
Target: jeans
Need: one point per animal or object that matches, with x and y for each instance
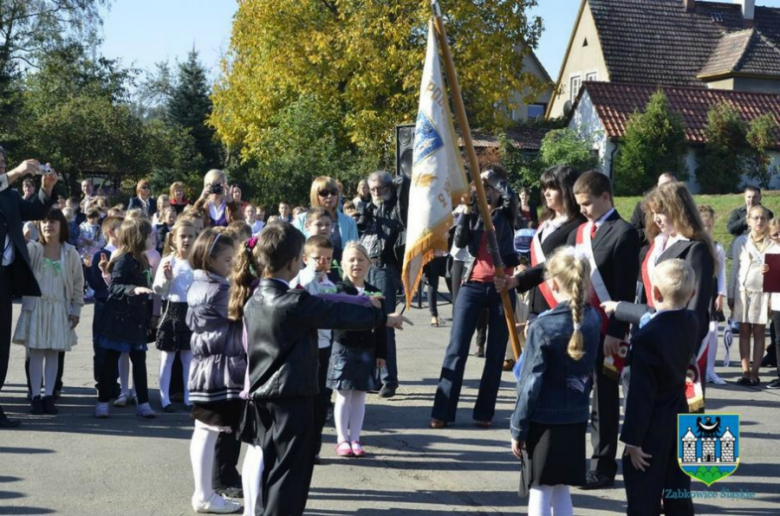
(388, 280)
(473, 297)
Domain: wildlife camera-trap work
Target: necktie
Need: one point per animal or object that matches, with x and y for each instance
(593, 230)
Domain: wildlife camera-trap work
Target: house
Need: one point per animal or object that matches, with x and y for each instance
(536, 109)
(686, 43)
(602, 109)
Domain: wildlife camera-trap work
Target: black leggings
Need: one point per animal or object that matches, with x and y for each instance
(108, 378)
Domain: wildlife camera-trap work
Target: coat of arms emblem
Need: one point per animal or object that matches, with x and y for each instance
(708, 445)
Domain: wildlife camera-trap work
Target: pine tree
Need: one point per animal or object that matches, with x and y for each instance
(190, 106)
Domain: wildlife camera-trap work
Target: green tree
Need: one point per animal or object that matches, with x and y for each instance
(567, 147)
(654, 143)
(763, 134)
(721, 162)
(189, 106)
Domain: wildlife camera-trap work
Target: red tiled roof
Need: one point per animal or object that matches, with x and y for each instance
(527, 138)
(616, 102)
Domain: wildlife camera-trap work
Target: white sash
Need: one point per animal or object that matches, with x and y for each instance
(596, 280)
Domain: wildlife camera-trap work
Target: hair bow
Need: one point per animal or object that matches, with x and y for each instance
(577, 252)
(251, 243)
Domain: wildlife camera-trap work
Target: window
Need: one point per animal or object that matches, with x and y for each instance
(576, 82)
(536, 111)
(592, 76)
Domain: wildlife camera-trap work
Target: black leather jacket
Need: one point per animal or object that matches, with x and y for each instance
(391, 224)
(281, 327)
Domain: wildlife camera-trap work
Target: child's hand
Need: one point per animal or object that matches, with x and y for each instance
(611, 346)
(764, 268)
(376, 302)
(380, 363)
(638, 457)
(397, 321)
(168, 270)
(609, 307)
(517, 448)
(103, 263)
(137, 291)
(719, 304)
(74, 321)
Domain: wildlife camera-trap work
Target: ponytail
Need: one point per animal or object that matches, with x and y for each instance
(576, 348)
(245, 274)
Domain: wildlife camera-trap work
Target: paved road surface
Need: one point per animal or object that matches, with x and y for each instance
(73, 464)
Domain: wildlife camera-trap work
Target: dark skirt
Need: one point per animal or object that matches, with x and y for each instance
(255, 420)
(174, 334)
(352, 368)
(219, 413)
(556, 454)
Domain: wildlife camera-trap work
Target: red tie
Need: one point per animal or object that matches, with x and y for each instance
(593, 230)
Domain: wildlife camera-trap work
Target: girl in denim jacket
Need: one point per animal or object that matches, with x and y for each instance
(551, 414)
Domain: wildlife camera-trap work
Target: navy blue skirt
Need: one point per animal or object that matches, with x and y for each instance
(352, 368)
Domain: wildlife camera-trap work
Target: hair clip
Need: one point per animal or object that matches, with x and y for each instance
(214, 243)
(577, 326)
(251, 243)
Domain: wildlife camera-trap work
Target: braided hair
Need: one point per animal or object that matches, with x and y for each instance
(572, 273)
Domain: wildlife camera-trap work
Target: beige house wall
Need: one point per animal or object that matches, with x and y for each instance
(531, 65)
(585, 62)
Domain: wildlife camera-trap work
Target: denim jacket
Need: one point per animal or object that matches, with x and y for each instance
(554, 388)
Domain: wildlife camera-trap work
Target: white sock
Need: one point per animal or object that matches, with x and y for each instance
(202, 458)
(124, 373)
(186, 360)
(561, 501)
(36, 371)
(166, 366)
(357, 412)
(341, 415)
(51, 363)
(539, 500)
(251, 478)
(712, 348)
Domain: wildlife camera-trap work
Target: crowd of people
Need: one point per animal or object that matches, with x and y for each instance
(261, 323)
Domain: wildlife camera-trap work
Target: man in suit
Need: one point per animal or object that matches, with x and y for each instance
(614, 247)
(16, 276)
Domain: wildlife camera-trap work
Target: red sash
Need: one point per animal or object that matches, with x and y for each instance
(593, 297)
(537, 257)
(648, 285)
(694, 393)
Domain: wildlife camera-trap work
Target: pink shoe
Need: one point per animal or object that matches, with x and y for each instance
(357, 449)
(344, 449)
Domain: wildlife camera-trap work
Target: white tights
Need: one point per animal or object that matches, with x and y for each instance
(202, 450)
(550, 500)
(251, 478)
(37, 370)
(166, 368)
(712, 347)
(349, 412)
(124, 373)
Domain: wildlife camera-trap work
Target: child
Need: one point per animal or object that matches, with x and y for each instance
(749, 304)
(73, 226)
(239, 231)
(660, 354)
(126, 321)
(285, 213)
(318, 256)
(250, 217)
(298, 210)
(173, 279)
(167, 220)
(355, 357)
(551, 414)
(280, 325)
(218, 366)
(159, 216)
(90, 237)
(707, 214)
(46, 324)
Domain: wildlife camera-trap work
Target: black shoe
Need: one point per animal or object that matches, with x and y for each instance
(597, 481)
(5, 422)
(57, 394)
(231, 492)
(769, 361)
(48, 406)
(177, 397)
(774, 384)
(36, 406)
(169, 409)
(743, 381)
(387, 391)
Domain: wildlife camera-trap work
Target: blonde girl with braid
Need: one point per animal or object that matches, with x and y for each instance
(550, 419)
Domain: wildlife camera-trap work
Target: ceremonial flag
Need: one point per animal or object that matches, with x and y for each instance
(438, 177)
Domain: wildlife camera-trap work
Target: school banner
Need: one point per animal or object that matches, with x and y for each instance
(438, 177)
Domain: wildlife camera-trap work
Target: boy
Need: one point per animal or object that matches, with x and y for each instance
(284, 212)
(318, 256)
(250, 216)
(612, 244)
(90, 236)
(660, 353)
(73, 226)
(167, 220)
(319, 222)
(279, 324)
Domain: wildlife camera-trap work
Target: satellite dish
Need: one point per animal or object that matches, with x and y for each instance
(567, 108)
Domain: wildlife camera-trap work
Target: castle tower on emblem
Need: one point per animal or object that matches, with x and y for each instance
(708, 446)
(727, 446)
(689, 446)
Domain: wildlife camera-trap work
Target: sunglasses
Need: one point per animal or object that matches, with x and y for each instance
(775, 235)
(145, 187)
(325, 193)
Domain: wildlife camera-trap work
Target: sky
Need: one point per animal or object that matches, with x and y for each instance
(145, 32)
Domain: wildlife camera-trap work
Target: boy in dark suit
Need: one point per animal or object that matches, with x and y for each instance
(660, 353)
(612, 246)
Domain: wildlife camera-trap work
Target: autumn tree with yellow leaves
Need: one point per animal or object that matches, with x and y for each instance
(356, 66)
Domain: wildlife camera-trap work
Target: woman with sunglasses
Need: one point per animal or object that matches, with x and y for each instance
(143, 199)
(325, 194)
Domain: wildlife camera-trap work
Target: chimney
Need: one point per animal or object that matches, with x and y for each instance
(748, 11)
(690, 5)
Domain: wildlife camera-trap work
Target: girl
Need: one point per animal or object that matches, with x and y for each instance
(774, 234)
(707, 214)
(219, 363)
(177, 197)
(46, 324)
(551, 414)
(172, 281)
(127, 314)
(749, 304)
(216, 201)
(162, 203)
(526, 212)
(354, 357)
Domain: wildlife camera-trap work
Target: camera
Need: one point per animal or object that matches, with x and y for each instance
(45, 169)
(216, 189)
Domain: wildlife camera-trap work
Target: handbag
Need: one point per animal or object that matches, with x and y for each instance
(523, 488)
(22, 330)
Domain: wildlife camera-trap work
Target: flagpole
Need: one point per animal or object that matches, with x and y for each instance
(484, 209)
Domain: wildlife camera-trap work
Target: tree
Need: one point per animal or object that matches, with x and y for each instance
(567, 147)
(363, 60)
(654, 143)
(720, 163)
(763, 134)
(189, 106)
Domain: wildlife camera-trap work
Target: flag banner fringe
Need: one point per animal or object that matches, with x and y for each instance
(425, 248)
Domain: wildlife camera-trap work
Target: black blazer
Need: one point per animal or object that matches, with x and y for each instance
(615, 249)
(375, 338)
(698, 256)
(14, 211)
(126, 318)
(659, 358)
(532, 277)
(136, 203)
